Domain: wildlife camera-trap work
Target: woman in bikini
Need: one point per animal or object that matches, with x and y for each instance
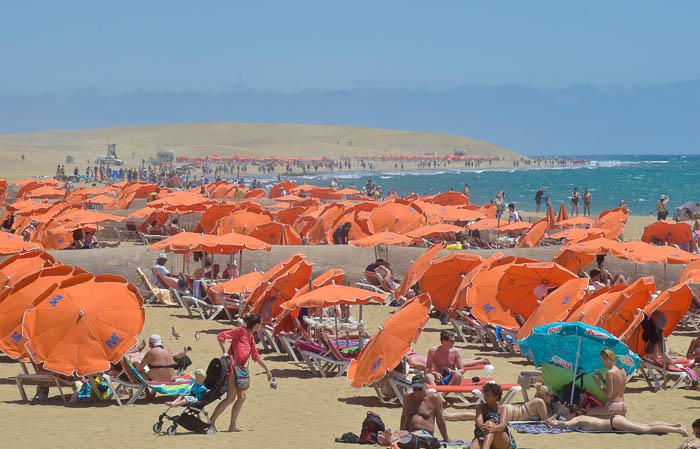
(613, 385)
(491, 431)
(614, 423)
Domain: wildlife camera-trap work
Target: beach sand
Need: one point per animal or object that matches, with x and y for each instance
(44, 150)
(304, 412)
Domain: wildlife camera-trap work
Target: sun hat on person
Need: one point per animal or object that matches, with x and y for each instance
(155, 340)
(162, 256)
(418, 381)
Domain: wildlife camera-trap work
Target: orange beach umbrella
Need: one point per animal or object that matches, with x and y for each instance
(388, 346)
(14, 301)
(13, 243)
(667, 232)
(276, 233)
(332, 295)
(516, 289)
(382, 238)
(442, 279)
(13, 269)
(83, 324)
(246, 283)
(556, 306)
(418, 268)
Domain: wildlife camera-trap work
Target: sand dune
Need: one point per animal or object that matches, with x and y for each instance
(46, 149)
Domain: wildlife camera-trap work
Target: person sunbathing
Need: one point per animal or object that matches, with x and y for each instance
(419, 362)
(160, 360)
(614, 423)
(539, 408)
(444, 362)
(613, 385)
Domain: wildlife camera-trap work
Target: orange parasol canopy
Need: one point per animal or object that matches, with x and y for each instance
(276, 190)
(460, 299)
(453, 214)
(289, 215)
(396, 217)
(186, 242)
(333, 294)
(674, 303)
(14, 301)
(449, 199)
(273, 273)
(74, 330)
(556, 306)
(418, 268)
(208, 220)
(575, 235)
(332, 276)
(393, 341)
(246, 283)
(640, 252)
(15, 268)
(13, 243)
(46, 193)
(434, 230)
(481, 296)
(282, 289)
(242, 222)
(620, 311)
(182, 201)
(516, 226)
(347, 191)
(575, 221)
(691, 273)
(516, 289)
(486, 224)
(443, 277)
(382, 238)
(534, 236)
(276, 234)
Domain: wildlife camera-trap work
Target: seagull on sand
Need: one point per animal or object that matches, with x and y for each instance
(176, 334)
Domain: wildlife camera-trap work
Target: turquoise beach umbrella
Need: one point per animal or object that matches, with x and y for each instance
(575, 346)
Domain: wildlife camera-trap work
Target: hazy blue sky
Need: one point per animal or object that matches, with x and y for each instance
(58, 46)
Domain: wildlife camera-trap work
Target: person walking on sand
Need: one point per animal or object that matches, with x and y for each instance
(241, 350)
(587, 197)
(575, 196)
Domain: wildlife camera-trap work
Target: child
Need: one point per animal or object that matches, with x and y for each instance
(196, 393)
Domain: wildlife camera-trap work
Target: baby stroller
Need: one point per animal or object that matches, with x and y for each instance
(191, 416)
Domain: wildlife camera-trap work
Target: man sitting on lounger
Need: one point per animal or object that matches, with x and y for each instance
(444, 364)
(421, 411)
(162, 271)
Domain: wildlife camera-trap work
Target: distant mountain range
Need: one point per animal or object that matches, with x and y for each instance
(577, 120)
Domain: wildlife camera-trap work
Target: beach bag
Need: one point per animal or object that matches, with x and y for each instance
(418, 440)
(371, 426)
(566, 392)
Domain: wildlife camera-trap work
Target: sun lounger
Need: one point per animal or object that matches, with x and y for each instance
(267, 338)
(230, 307)
(137, 385)
(325, 360)
(159, 295)
(528, 379)
(196, 306)
(373, 282)
(476, 388)
(658, 377)
(147, 239)
(46, 380)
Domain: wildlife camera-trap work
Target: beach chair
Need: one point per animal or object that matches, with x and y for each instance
(399, 383)
(691, 320)
(194, 306)
(528, 379)
(372, 281)
(476, 388)
(46, 380)
(133, 382)
(326, 359)
(159, 295)
(147, 239)
(658, 377)
(468, 329)
(267, 338)
(229, 306)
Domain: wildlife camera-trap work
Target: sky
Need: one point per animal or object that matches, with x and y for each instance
(175, 45)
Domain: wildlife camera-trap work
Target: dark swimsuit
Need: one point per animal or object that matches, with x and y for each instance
(612, 426)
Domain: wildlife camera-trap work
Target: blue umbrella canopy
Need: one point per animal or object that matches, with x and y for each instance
(576, 346)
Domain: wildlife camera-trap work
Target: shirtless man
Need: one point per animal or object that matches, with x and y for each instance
(160, 360)
(421, 410)
(444, 364)
(613, 386)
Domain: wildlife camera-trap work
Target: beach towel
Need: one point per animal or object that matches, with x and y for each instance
(535, 427)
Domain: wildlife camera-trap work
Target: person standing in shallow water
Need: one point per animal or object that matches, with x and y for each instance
(587, 197)
(575, 196)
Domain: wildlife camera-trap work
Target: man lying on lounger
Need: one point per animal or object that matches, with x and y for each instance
(421, 411)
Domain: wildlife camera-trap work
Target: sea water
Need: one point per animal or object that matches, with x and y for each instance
(639, 180)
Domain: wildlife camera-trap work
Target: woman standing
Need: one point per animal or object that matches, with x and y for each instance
(241, 350)
(575, 196)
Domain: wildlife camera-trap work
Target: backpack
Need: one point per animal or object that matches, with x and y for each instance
(371, 426)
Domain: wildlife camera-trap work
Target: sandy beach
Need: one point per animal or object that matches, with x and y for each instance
(305, 411)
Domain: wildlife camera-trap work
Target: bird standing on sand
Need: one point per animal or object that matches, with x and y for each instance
(197, 335)
(176, 334)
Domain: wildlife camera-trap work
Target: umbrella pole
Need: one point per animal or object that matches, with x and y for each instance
(578, 354)
(230, 262)
(240, 262)
(360, 333)
(665, 273)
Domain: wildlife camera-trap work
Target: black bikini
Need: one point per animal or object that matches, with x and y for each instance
(612, 426)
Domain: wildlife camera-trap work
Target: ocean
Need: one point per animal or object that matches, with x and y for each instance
(638, 179)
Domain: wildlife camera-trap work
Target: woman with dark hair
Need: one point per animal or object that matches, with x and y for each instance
(241, 350)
